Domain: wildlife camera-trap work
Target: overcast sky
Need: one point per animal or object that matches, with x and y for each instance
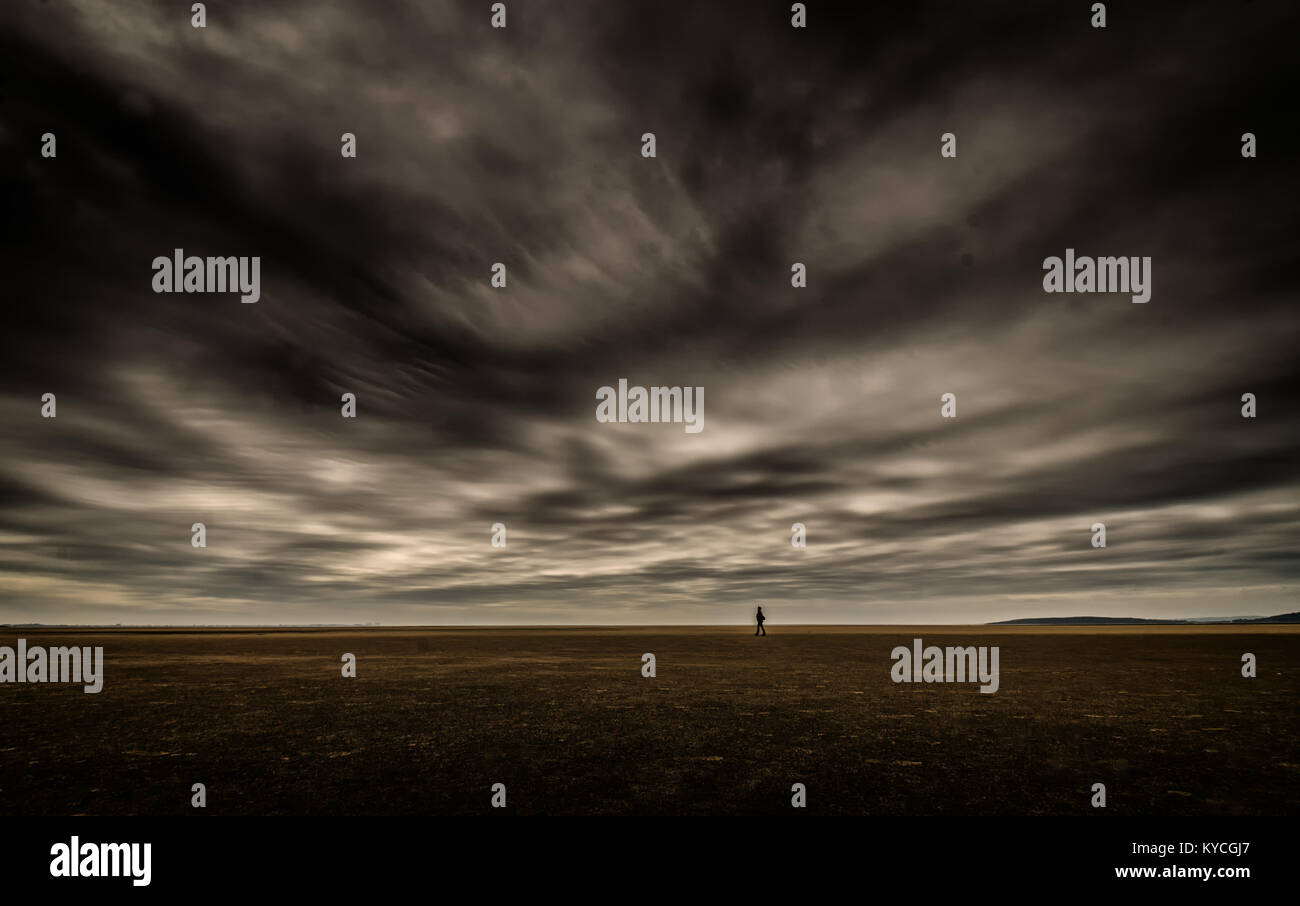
(476, 405)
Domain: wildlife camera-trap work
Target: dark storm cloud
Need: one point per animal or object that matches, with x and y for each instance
(476, 404)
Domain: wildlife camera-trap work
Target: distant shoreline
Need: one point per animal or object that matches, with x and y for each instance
(1138, 621)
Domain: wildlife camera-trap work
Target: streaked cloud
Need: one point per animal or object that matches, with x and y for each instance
(477, 405)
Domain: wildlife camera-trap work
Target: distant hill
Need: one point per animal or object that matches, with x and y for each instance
(1129, 621)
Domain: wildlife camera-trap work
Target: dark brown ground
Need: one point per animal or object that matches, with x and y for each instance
(564, 718)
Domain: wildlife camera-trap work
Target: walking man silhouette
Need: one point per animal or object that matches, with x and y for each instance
(759, 616)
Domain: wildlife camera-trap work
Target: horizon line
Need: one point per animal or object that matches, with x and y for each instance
(1020, 621)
